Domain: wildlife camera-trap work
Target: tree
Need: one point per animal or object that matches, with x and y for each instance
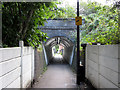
(66, 12)
(20, 21)
(88, 8)
(101, 24)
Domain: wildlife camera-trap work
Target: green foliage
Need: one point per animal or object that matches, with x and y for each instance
(35, 37)
(57, 47)
(88, 8)
(66, 12)
(101, 24)
(20, 21)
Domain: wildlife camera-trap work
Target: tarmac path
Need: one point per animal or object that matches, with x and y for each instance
(57, 76)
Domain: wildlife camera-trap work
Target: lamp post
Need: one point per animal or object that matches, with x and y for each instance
(78, 47)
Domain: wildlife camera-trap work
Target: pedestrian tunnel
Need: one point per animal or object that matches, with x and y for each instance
(59, 50)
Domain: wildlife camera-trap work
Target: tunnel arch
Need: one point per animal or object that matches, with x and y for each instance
(66, 42)
(60, 40)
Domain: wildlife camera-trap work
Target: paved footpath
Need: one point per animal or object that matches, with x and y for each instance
(57, 76)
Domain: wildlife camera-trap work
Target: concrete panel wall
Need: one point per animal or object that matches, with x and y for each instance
(10, 66)
(12, 62)
(48, 53)
(15, 84)
(67, 53)
(102, 65)
(11, 53)
(27, 66)
(74, 62)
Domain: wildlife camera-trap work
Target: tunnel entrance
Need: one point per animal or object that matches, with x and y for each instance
(60, 32)
(59, 50)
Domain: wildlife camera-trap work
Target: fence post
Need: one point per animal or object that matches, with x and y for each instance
(21, 44)
(32, 66)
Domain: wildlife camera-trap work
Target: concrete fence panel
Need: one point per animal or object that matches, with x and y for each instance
(16, 67)
(10, 77)
(27, 51)
(26, 67)
(10, 66)
(102, 63)
(0, 54)
(15, 84)
(10, 53)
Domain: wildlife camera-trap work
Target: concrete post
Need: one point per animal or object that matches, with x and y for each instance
(21, 44)
(32, 66)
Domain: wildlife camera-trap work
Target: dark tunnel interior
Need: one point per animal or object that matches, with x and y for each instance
(64, 52)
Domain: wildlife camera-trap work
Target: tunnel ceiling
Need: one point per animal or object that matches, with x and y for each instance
(59, 40)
